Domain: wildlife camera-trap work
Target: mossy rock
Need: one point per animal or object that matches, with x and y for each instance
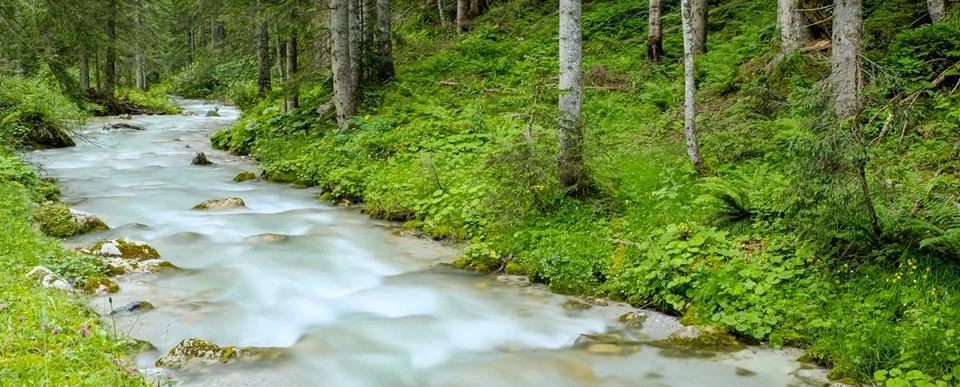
(412, 225)
(192, 353)
(95, 285)
(326, 196)
(61, 222)
(514, 268)
(245, 176)
(220, 204)
(279, 176)
(472, 265)
(704, 337)
(575, 304)
(48, 136)
(633, 319)
(120, 266)
(123, 248)
(303, 183)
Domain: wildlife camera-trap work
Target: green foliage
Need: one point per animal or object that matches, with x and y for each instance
(29, 104)
(921, 54)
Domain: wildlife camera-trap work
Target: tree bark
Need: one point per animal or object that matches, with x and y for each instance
(794, 33)
(139, 59)
(701, 12)
(443, 17)
(84, 71)
(110, 55)
(340, 62)
(691, 35)
(281, 58)
(369, 25)
(190, 46)
(846, 57)
(263, 58)
(356, 50)
(385, 40)
(474, 9)
(938, 10)
(655, 31)
(462, 16)
(292, 86)
(570, 158)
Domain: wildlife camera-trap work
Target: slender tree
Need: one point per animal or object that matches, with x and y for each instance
(794, 33)
(701, 13)
(281, 58)
(84, 71)
(110, 52)
(938, 10)
(343, 85)
(570, 170)
(655, 31)
(440, 11)
(462, 10)
(356, 44)
(691, 33)
(140, 59)
(292, 95)
(385, 41)
(263, 57)
(846, 57)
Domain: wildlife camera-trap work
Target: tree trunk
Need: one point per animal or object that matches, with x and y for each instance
(462, 16)
(203, 34)
(84, 71)
(846, 57)
(938, 10)
(570, 159)
(691, 35)
(190, 45)
(369, 25)
(794, 33)
(263, 58)
(110, 57)
(340, 61)
(292, 87)
(216, 34)
(356, 50)
(655, 31)
(701, 12)
(139, 59)
(385, 40)
(443, 17)
(474, 9)
(281, 58)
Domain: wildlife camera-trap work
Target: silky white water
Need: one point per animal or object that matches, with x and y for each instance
(354, 302)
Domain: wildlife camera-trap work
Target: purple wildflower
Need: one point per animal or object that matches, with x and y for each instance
(4, 306)
(84, 331)
(55, 330)
(21, 318)
(169, 376)
(43, 325)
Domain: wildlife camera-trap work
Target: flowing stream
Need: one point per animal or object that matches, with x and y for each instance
(353, 301)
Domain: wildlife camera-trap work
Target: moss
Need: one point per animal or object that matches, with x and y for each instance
(219, 204)
(164, 266)
(711, 337)
(55, 221)
(326, 196)
(303, 183)
(93, 284)
(129, 249)
(245, 176)
(440, 232)
(413, 225)
(514, 268)
(279, 176)
(575, 304)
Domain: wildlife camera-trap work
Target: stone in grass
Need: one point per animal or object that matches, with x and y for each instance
(245, 176)
(48, 279)
(61, 222)
(220, 204)
(195, 353)
(100, 286)
(200, 159)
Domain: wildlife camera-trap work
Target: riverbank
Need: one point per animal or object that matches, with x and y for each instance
(48, 336)
(775, 247)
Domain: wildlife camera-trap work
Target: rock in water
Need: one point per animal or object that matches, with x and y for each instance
(200, 159)
(575, 304)
(686, 333)
(123, 256)
(125, 117)
(136, 306)
(195, 353)
(100, 285)
(48, 279)
(245, 176)
(48, 137)
(634, 319)
(59, 221)
(212, 113)
(220, 204)
(124, 125)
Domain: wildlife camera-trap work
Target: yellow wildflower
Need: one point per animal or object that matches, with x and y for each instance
(366, 117)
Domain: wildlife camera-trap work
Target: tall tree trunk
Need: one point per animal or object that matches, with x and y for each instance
(263, 58)
(846, 57)
(462, 16)
(691, 33)
(292, 87)
(794, 33)
(110, 57)
(140, 60)
(356, 50)
(84, 71)
(570, 158)
(281, 58)
(701, 12)
(190, 42)
(474, 9)
(369, 25)
(443, 16)
(98, 70)
(385, 40)
(655, 31)
(203, 34)
(216, 34)
(938, 10)
(340, 61)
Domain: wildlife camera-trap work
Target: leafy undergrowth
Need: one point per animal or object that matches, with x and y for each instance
(47, 336)
(777, 246)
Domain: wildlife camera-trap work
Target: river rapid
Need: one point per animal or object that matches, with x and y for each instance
(352, 300)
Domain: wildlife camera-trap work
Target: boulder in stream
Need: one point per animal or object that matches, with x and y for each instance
(575, 304)
(703, 336)
(123, 125)
(133, 307)
(47, 136)
(212, 113)
(125, 116)
(200, 159)
(633, 319)
(100, 285)
(245, 176)
(124, 256)
(59, 221)
(48, 279)
(195, 353)
(220, 204)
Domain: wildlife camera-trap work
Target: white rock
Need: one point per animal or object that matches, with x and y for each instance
(49, 279)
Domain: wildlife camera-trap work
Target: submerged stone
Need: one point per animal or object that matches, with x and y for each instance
(48, 279)
(220, 204)
(609, 338)
(703, 336)
(195, 353)
(100, 285)
(245, 176)
(133, 307)
(265, 238)
(605, 349)
(633, 319)
(575, 304)
(124, 125)
(200, 159)
(212, 113)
